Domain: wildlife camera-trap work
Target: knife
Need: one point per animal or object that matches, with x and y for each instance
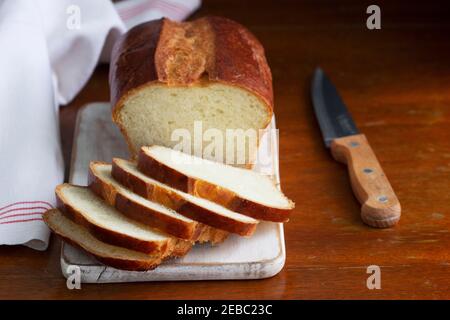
(380, 206)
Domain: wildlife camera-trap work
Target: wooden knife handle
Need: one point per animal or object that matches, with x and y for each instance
(380, 206)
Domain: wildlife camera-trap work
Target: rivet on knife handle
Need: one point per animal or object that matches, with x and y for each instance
(380, 206)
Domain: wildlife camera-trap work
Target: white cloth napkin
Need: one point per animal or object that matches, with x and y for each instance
(49, 50)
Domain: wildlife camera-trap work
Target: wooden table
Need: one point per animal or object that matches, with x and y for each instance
(396, 83)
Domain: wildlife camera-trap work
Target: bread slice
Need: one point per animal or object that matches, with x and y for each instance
(196, 208)
(240, 190)
(145, 211)
(113, 256)
(165, 75)
(105, 223)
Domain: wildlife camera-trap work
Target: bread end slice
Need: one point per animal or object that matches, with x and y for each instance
(113, 256)
(83, 207)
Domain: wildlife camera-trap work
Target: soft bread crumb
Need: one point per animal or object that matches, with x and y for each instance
(150, 115)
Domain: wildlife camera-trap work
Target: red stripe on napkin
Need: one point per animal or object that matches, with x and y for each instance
(24, 208)
(27, 202)
(22, 215)
(25, 220)
(36, 208)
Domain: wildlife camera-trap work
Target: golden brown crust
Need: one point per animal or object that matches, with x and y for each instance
(109, 236)
(203, 189)
(132, 59)
(125, 264)
(239, 59)
(184, 53)
(213, 236)
(232, 201)
(130, 265)
(180, 204)
(210, 49)
(181, 248)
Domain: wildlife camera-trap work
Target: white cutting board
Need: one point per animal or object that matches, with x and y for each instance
(261, 256)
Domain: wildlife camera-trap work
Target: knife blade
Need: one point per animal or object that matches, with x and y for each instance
(380, 205)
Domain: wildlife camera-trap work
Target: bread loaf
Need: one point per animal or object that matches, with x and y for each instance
(165, 75)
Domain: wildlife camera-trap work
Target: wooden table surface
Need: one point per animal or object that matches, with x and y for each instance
(396, 83)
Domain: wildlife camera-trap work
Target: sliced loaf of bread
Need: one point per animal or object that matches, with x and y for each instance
(237, 189)
(199, 209)
(104, 222)
(148, 212)
(114, 256)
